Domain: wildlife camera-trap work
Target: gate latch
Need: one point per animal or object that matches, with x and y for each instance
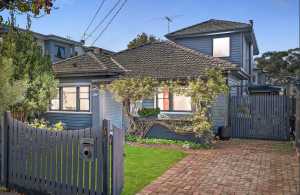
(87, 149)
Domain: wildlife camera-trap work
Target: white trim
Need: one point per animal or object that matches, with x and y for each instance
(68, 112)
(74, 84)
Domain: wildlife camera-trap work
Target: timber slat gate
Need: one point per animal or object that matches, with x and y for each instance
(39, 161)
(261, 117)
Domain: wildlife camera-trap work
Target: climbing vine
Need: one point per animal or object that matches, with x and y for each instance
(203, 92)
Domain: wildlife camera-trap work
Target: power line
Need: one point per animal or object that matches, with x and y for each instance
(103, 20)
(112, 19)
(94, 17)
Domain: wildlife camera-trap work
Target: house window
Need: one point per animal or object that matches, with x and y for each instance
(69, 98)
(60, 52)
(167, 101)
(182, 103)
(221, 47)
(84, 98)
(72, 98)
(55, 102)
(163, 99)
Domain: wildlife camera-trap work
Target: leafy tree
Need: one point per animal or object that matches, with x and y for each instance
(22, 81)
(27, 6)
(280, 65)
(142, 39)
(10, 92)
(30, 65)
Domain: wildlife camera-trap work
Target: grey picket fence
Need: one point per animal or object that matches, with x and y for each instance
(261, 117)
(118, 140)
(66, 162)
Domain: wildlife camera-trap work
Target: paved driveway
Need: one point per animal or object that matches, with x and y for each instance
(241, 167)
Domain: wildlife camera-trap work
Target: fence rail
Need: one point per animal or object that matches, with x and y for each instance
(63, 162)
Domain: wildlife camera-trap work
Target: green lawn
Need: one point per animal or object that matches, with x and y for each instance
(143, 165)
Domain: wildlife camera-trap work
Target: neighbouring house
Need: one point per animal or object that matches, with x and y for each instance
(226, 44)
(57, 47)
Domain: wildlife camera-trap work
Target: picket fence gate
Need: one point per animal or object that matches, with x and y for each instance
(39, 161)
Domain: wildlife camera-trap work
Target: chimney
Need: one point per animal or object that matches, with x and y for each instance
(97, 50)
(251, 23)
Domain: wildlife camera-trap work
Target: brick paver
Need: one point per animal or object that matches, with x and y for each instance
(239, 167)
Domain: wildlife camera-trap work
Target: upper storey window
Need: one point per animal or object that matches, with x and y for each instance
(221, 47)
(60, 52)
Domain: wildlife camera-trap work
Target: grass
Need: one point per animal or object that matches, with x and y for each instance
(283, 147)
(143, 165)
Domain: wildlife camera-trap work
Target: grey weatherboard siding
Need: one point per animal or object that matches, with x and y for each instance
(71, 120)
(204, 44)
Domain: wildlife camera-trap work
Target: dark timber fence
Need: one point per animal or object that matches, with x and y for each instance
(40, 161)
(261, 116)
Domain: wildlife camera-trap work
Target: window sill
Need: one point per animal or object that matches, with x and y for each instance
(176, 112)
(68, 112)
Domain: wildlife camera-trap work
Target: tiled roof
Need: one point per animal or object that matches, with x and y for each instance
(88, 63)
(210, 26)
(167, 60)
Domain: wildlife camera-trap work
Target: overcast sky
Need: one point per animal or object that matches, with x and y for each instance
(275, 21)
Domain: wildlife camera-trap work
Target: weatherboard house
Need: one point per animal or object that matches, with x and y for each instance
(187, 53)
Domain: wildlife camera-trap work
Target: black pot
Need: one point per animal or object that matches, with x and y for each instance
(225, 133)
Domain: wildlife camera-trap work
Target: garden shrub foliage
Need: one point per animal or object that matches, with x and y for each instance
(203, 91)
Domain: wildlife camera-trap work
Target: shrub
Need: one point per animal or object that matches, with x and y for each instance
(43, 124)
(184, 144)
(147, 112)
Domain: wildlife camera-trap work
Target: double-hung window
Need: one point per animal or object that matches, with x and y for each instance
(221, 47)
(72, 98)
(171, 102)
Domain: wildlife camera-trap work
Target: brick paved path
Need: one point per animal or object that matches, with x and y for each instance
(240, 167)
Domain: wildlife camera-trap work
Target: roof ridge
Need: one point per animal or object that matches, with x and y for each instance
(92, 55)
(129, 49)
(118, 64)
(210, 20)
(201, 54)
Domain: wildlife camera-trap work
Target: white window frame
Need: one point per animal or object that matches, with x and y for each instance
(77, 110)
(214, 47)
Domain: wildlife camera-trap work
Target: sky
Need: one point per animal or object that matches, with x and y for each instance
(276, 22)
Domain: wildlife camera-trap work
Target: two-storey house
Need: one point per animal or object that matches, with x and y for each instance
(232, 41)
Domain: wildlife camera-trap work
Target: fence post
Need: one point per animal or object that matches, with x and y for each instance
(96, 124)
(5, 148)
(297, 131)
(106, 157)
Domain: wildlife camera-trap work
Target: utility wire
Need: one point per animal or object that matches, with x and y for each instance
(103, 20)
(112, 19)
(94, 17)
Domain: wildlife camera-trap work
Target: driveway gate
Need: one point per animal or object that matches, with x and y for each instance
(261, 117)
(73, 162)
